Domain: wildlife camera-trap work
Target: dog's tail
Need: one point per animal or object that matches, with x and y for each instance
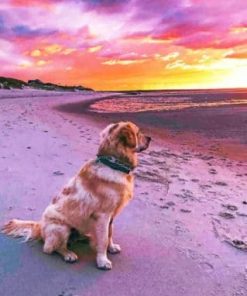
(30, 230)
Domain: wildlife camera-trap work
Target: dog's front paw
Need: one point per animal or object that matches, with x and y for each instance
(104, 263)
(70, 257)
(114, 249)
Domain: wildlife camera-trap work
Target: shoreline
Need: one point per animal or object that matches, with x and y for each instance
(177, 127)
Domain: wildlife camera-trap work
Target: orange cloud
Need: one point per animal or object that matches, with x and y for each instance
(36, 53)
(123, 62)
(52, 49)
(42, 63)
(68, 51)
(95, 48)
(238, 54)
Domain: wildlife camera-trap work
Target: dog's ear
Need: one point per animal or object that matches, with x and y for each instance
(127, 137)
(113, 127)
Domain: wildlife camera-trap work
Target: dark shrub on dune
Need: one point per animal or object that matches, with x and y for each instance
(8, 83)
(36, 83)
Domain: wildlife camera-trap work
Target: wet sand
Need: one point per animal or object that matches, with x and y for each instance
(183, 234)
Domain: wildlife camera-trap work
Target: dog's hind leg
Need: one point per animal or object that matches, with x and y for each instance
(55, 240)
(68, 256)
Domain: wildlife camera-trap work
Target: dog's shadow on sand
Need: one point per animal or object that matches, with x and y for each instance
(81, 246)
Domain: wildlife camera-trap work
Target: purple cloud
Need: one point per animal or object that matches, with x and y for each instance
(25, 31)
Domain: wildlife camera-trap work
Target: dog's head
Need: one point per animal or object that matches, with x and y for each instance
(123, 140)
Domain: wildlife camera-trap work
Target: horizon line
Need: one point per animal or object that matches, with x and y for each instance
(135, 90)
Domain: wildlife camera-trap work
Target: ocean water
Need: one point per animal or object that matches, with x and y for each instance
(169, 101)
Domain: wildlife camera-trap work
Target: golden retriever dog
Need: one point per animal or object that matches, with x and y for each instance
(91, 199)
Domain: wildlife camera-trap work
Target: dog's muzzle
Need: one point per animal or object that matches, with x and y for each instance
(145, 146)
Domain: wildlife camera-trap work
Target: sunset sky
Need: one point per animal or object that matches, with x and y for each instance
(126, 44)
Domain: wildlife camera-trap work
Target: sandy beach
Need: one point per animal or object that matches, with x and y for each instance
(183, 234)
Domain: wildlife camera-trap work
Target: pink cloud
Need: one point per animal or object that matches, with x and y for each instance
(210, 40)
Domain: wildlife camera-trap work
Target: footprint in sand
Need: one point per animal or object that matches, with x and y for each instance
(58, 173)
(182, 180)
(226, 215)
(167, 205)
(230, 207)
(241, 214)
(206, 266)
(213, 171)
(185, 210)
(195, 180)
(220, 183)
(205, 186)
(174, 176)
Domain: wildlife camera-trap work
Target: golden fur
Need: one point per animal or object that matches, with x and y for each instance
(90, 200)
